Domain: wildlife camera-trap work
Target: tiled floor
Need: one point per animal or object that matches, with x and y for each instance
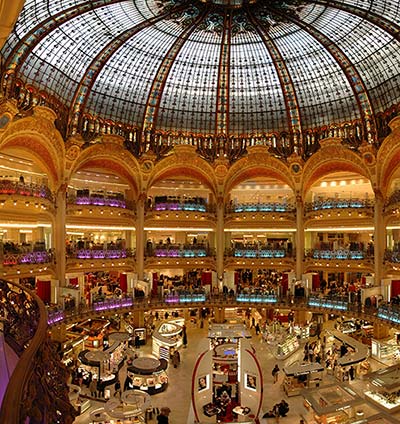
(178, 394)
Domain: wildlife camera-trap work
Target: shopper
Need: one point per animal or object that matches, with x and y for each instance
(275, 373)
(176, 359)
(93, 387)
(162, 418)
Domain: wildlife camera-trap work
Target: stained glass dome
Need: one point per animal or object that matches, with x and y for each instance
(237, 68)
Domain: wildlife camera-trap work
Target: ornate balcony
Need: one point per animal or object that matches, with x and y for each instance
(28, 258)
(335, 203)
(258, 252)
(101, 253)
(180, 251)
(24, 189)
(261, 207)
(32, 395)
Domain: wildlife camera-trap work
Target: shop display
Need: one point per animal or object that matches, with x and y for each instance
(166, 338)
(300, 376)
(388, 351)
(331, 404)
(285, 349)
(385, 391)
(148, 374)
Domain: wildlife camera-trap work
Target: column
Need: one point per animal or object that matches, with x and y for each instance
(59, 235)
(137, 319)
(219, 315)
(379, 237)
(220, 245)
(299, 237)
(140, 235)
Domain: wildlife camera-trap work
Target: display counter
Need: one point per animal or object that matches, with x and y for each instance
(332, 404)
(357, 351)
(167, 337)
(301, 376)
(96, 362)
(148, 374)
(386, 351)
(284, 349)
(385, 391)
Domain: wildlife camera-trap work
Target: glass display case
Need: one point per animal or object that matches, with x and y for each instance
(148, 374)
(167, 337)
(285, 349)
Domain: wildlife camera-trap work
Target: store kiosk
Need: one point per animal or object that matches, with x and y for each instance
(332, 404)
(167, 337)
(227, 380)
(148, 374)
(301, 376)
(356, 354)
(385, 391)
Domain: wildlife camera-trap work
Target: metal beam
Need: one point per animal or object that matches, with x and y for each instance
(80, 97)
(289, 92)
(159, 81)
(356, 82)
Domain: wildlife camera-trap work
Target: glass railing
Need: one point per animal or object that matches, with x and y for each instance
(333, 203)
(93, 200)
(179, 251)
(340, 254)
(261, 207)
(176, 205)
(392, 256)
(329, 303)
(26, 189)
(257, 298)
(253, 252)
(101, 254)
(43, 257)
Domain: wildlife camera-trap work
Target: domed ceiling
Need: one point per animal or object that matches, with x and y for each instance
(212, 67)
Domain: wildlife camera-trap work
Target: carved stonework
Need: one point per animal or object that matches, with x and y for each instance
(73, 152)
(368, 153)
(394, 123)
(47, 395)
(45, 112)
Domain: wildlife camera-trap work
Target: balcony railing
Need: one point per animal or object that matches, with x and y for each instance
(341, 254)
(180, 251)
(41, 257)
(101, 253)
(392, 256)
(167, 203)
(333, 203)
(93, 200)
(31, 392)
(26, 189)
(260, 252)
(261, 207)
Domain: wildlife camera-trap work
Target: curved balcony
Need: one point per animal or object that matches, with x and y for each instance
(28, 258)
(176, 203)
(100, 200)
(180, 251)
(335, 203)
(31, 393)
(26, 189)
(392, 256)
(332, 303)
(100, 253)
(258, 252)
(261, 207)
(339, 254)
(393, 203)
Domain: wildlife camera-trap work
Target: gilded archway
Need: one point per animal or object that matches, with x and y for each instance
(332, 157)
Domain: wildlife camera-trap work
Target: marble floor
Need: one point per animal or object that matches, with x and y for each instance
(178, 394)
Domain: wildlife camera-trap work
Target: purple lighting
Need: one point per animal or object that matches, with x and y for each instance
(113, 304)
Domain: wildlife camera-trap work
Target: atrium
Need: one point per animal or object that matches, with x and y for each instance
(193, 148)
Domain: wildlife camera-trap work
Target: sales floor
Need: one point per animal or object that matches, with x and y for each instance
(178, 394)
